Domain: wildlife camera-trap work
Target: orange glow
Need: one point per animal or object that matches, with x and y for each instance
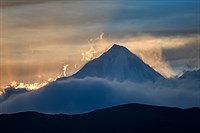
(34, 86)
(97, 47)
(1, 92)
(65, 68)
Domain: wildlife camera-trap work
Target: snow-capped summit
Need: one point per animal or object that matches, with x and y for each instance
(118, 63)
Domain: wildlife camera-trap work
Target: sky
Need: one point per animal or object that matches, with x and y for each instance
(42, 38)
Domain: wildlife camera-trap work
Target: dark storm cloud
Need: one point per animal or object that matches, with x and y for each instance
(83, 95)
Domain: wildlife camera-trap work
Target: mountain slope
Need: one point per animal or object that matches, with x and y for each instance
(118, 63)
(191, 75)
(124, 118)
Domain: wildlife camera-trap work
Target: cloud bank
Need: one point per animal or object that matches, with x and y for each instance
(83, 95)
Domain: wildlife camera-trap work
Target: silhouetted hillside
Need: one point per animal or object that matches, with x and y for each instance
(119, 119)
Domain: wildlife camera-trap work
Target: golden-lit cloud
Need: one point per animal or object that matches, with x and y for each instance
(97, 47)
(38, 41)
(88, 55)
(150, 49)
(65, 68)
(18, 85)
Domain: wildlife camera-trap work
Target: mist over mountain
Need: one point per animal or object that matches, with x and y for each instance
(116, 77)
(11, 92)
(119, 64)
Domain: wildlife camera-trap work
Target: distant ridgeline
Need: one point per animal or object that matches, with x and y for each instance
(130, 118)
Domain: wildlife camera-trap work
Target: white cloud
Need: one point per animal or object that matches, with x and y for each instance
(83, 95)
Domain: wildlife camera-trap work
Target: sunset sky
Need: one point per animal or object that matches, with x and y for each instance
(40, 37)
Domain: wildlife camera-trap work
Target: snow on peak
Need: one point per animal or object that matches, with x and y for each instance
(118, 63)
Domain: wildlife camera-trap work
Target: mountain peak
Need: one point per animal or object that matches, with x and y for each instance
(117, 48)
(120, 64)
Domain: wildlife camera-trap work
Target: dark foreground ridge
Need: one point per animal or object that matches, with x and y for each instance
(127, 118)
